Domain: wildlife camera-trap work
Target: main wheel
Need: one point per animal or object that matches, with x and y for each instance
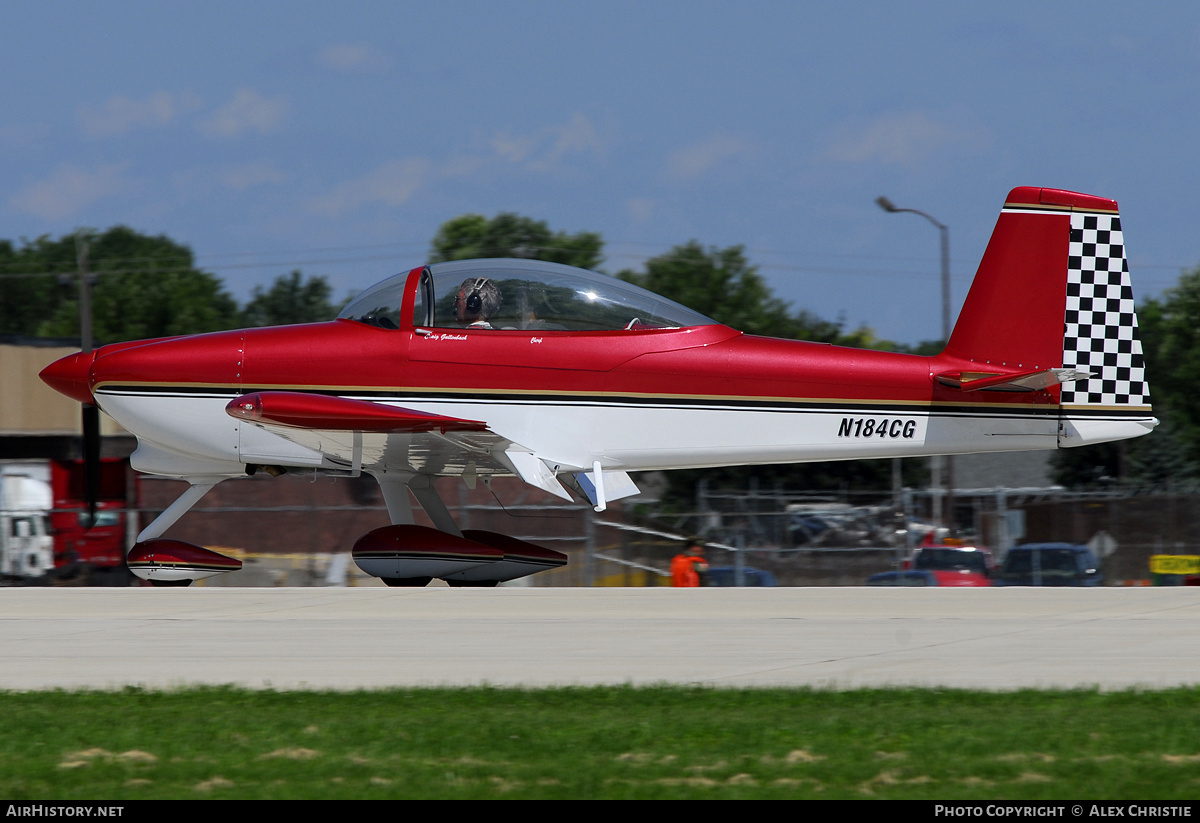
(473, 583)
(170, 582)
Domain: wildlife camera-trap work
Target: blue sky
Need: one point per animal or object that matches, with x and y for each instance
(336, 138)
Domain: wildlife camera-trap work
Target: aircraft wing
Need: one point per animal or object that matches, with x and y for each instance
(363, 434)
(300, 410)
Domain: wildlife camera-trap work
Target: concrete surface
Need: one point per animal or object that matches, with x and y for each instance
(376, 637)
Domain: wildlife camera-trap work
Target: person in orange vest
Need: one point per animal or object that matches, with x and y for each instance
(688, 565)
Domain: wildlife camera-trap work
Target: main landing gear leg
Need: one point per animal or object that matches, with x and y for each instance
(176, 510)
(395, 495)
(172, 562)
(395, 488)
(422, 488)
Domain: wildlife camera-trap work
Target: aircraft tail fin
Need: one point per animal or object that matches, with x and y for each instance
(1053, 293)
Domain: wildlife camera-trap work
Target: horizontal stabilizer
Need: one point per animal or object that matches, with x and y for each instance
(1019, 381)
(302, 410)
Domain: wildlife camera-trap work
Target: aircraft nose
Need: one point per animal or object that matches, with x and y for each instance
(71, 376)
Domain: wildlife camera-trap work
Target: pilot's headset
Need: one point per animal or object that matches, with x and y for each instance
(474, 299)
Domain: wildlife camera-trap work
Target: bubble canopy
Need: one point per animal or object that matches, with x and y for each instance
(518, 295)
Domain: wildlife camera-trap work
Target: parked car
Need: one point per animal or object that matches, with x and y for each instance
(969, 559)
(1050, 564)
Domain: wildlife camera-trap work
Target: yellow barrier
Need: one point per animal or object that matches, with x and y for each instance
(1175, 564)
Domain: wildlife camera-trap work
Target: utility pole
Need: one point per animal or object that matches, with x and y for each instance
(91, 414)
(946, 515)
(86, 280)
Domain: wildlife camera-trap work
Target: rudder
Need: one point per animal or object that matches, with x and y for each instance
(1100, 334)
(1053, 293)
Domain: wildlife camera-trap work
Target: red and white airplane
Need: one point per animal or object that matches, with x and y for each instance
(569, 378)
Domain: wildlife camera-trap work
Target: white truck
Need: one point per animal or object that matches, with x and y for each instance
(26, 545)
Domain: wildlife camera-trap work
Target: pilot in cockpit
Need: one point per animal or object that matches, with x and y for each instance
(478, 300)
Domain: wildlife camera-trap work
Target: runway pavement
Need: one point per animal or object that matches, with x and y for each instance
(318, 638)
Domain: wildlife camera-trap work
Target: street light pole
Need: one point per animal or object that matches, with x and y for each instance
(891, 208)
(888, 206)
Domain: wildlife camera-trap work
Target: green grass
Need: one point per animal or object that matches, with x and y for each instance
(664, 742)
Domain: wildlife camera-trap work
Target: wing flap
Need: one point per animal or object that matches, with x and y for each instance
(534, 471)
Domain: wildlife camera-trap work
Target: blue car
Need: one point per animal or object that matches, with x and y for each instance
(1050, 564)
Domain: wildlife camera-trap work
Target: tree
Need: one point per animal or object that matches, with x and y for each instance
(291, 299)
(719, 283)
(28, 294)
(722, 284)
(1172, 353)
(474, 236)
(145, 287)
(1158, 458)
(1088, 467)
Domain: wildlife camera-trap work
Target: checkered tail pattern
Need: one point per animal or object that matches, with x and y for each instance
(1101, 328)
